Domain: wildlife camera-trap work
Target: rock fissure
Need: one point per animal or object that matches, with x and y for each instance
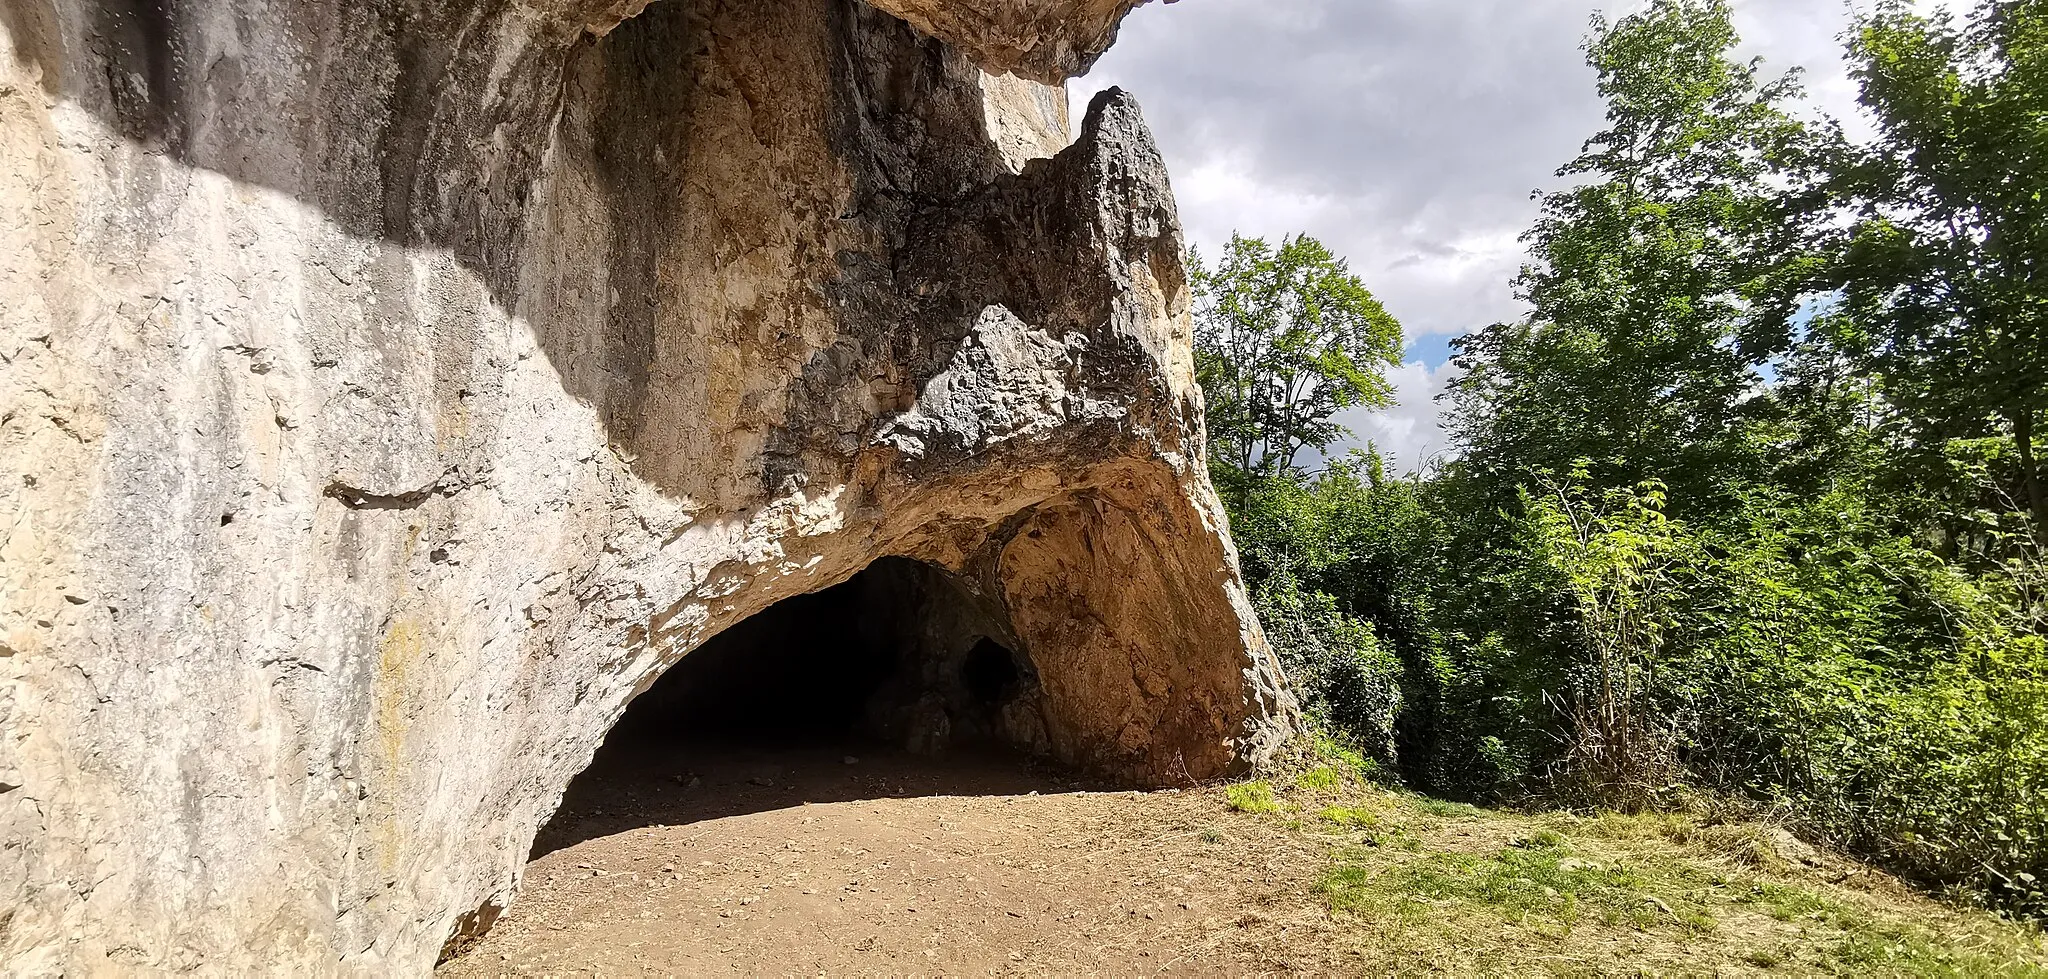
(361, 499)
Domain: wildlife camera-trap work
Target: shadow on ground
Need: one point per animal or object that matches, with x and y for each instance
(676, 782)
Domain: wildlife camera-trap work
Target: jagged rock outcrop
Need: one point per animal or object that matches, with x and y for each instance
(390, 390)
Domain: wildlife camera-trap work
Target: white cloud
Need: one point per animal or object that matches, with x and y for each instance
(1405, 134)
(1411, 433)
(1408, 135)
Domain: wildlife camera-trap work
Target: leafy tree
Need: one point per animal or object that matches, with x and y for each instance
(1660, 287)
(1284, 340)
(1804, 380)
(1945, 272)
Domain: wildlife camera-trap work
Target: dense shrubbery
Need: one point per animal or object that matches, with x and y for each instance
(1585, 649)
(1797, 655)
(1747, 506)
(1350, 683)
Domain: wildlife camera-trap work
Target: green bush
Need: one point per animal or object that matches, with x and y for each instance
(1749, 503)
(1344, 677)
(1811, 659)
(1802, 654)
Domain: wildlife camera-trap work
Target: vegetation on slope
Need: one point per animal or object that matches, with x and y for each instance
(1421, 884)
(1748, 506)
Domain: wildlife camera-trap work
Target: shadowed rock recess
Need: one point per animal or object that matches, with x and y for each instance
(390, 390)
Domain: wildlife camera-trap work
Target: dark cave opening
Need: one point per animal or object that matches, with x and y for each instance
(989, 673)
(899, 653)
(898, 680)
(800, 672)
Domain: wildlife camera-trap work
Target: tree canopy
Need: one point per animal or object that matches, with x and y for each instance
(1944, 272)
(1747, 505)
(1286, 338)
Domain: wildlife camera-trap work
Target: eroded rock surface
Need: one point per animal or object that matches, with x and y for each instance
(390, 390)
(1047, 40)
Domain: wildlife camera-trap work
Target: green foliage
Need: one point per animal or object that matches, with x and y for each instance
(1748, 504)
(1342, 673)
(1319, 778)
(1653, 288)
(1942, 271)
(1285, 339)
(1349, 765)
(1890, 701)
(1613, 554)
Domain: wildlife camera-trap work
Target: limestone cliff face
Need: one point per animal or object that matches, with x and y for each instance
(392, 389)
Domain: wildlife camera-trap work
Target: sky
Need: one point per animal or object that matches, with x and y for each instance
(1407, 135)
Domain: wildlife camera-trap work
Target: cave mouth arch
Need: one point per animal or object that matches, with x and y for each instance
(899, 679)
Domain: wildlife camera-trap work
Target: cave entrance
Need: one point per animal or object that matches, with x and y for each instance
(898, 681)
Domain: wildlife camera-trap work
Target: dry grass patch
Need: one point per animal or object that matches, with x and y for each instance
(1413, 883)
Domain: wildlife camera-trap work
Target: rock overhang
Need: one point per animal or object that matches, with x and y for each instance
(1046, 41)
(399, 391)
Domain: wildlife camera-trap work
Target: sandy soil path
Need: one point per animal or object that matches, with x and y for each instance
(750, 863)
(706, 861)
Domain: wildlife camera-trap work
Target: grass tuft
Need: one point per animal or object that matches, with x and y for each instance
(1447, 809)
(1350, 817)
(1252, 797)
(1319, 778)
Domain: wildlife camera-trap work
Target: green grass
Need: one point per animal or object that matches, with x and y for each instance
(1252, 797)
(1546, 886)
(1447, 809)
(1540, 880)
(1427, 885)
(1768, 958)
(1349, 817)
(1335, 755)
(1788, 903)
(1319, 778)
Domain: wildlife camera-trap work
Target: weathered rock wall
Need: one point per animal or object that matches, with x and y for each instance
(391, 389)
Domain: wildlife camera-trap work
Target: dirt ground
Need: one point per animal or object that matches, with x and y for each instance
(705, 860)
(813, 861)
